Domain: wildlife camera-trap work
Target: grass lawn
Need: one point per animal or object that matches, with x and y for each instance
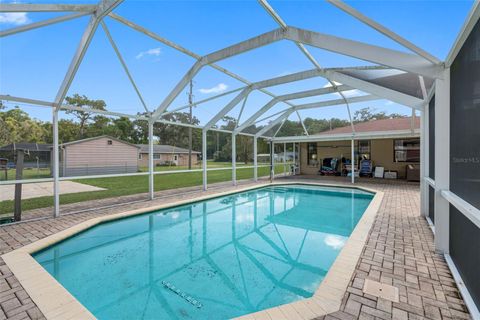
(121, 186)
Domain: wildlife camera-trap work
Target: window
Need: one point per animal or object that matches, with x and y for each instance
(156, 156)
(312, 159)
(109, 142)
(407, 150)
(364, 149)
(175, 157)
(139, 156)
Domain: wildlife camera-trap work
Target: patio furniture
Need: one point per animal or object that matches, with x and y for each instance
(329, 167)
(366, 167)
(378, 173)
(413, 172)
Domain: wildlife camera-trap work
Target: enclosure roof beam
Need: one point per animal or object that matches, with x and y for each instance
(30, 7)
(281, 118)
(185, 51)
(102, 9)
(304, 50)
(241, 47)
(383, 30)
(42, 23)
(302, 123)
(315, 105)
(239, 97)
(290, 96)
(379, 55)
(378, 90)
(335, 102)
(124, 65)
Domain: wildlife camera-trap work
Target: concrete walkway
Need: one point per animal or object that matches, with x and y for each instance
(44, 189)
(399, 252)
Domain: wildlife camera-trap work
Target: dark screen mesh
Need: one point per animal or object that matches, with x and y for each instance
(431, 204)
(431, 137)
(465, 159)
(465, 120)
(465, 251)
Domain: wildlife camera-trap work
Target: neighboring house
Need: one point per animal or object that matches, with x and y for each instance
(98, 155)
(165, 155)
(389, 143)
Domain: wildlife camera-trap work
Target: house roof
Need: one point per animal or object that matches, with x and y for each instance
(378, 125)
(162, 148)
(96, 138)
(30, 146)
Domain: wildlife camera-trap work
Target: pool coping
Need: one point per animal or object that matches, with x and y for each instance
(55, 302)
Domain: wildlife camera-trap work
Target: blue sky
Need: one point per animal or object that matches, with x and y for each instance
(33, 64)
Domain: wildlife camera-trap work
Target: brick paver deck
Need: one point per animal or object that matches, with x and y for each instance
(399, 252)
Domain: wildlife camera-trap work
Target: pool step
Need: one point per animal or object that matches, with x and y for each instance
(182, 294)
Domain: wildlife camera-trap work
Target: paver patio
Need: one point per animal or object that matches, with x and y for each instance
(399, 252)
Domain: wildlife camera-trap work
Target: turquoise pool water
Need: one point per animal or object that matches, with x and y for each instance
(215, 259)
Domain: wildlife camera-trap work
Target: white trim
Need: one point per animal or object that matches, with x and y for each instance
(471, 306)
(470, 21)
(469, 211)
(349, 136)
(429, 181)
(27, 7)
(383, 30)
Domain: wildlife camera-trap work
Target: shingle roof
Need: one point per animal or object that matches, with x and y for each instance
(162, 148)
(378, 125)
(95, 138)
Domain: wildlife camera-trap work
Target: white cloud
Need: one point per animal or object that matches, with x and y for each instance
(150, 52)
(16, 18)
(335, 242)
(348, 94)
(219, 88)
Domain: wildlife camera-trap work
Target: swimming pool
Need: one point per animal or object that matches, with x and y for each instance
(215, 259)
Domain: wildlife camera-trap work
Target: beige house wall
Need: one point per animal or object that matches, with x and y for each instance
(98, 153)
(381, 152)
(182, 159)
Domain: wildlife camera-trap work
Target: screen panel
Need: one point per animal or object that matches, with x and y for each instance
(464, 120)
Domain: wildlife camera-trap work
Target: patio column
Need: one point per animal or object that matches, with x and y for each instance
(151, 181)
(255, 160)
(442, 161)
(56, 165)
(204, 159)
(353, 161)
(284, 158)
(234, 159)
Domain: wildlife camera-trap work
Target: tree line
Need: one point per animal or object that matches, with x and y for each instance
(17, 126)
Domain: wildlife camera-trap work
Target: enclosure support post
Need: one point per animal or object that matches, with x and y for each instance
(353, 162)
(204, 159)
(151, 181)
(284, 158)
(272, 161)
(294, 160)
(17, 209)
(234, 159)
(56, 165)
(442, 162)
(255, 160)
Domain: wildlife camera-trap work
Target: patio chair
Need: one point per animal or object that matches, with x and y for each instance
(366, 168)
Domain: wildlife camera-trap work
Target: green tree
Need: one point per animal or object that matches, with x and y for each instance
(84, 117)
